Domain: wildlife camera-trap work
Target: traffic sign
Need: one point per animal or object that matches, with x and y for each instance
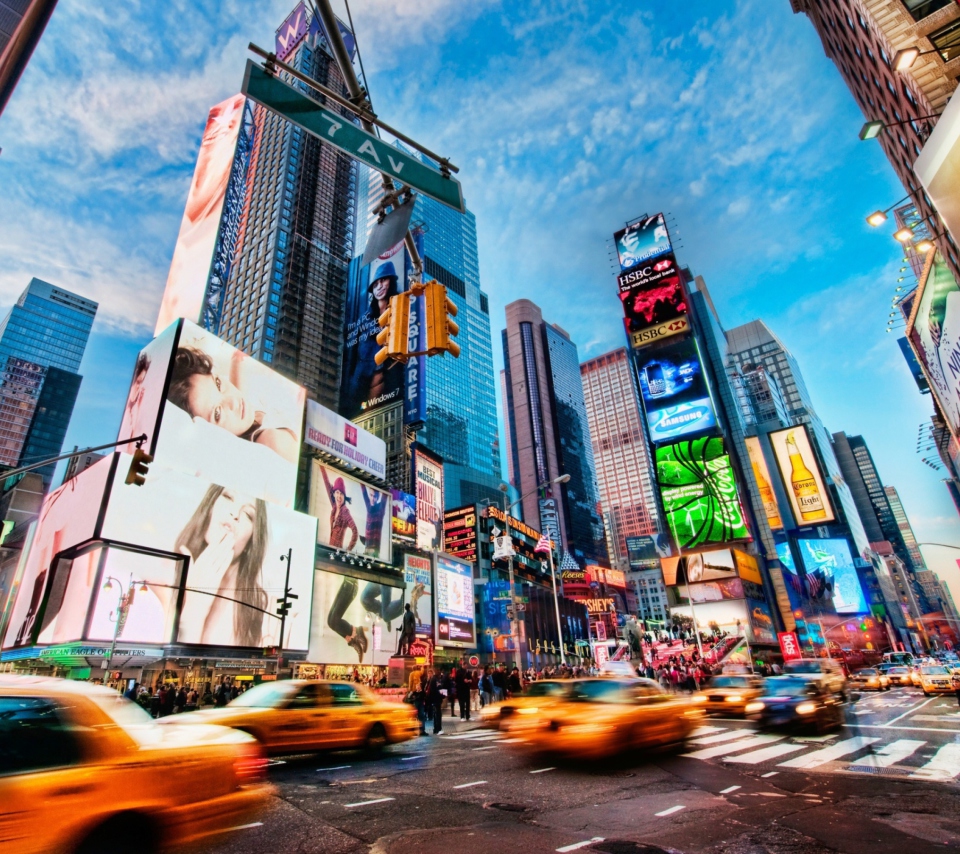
(340, 132)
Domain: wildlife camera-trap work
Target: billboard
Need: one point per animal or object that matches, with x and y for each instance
(644, 239)
(710, 591)
(829, 567)
(460, 533)
(404, 515)
(747, 567)
(645, 552)
(699, 567)
(232, 542)
(789, 646)
(230, 419)
(802, 478)
(351, 445)
(186, 287)
(674, 390)
(354, 621)
(790, 575)
(496, 635)
(761, 622)
(762, 475)
(656, 305)
(699, 493)
(938, 166)
(292, 31)
(428, 483)
(454, 598)
(141, 413)
(418, 578)
(353, 517)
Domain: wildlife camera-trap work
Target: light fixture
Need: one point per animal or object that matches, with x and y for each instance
(904, 59)
(871, 130)
(143, 587)
(925, 246)
(877, 218)
(108, 585)
(904, 235)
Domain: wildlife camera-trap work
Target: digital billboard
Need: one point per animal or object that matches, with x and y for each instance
(454, 601)
(762, 475)
(829, 567)
(141, 413)
(699, 493)
(418, 578)
(674, 390)
(353, 517)
(189, 273)
(802, 478)
(404, 515)
(761, 621)
(230, 419)
(698, 567)
(709, 591)
(460, 533)
(790, 575)
(351, 445)
(428, 484)
(645, 552)
(354, 621)
(646, 238)
(656, 306)
(495, 601)
(748, 568)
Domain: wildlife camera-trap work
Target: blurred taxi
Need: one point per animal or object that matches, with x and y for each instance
(936, 679)
(915, 675)
(303, 716)
(870, 679)
(729, 694)
(798, 701)
(84, 770)
(539, 695)
(603, 717)
(899, 676)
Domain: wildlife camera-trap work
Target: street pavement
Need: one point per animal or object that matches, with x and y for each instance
(884, 784)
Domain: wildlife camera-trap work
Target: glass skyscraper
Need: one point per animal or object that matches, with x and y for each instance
(42, 341)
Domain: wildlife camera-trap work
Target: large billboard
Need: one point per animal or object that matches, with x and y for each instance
(645, 552)
(762, 475)
(428, 486)
(829, 568)
(654, 301)
(938, 166)
(674, 390)
(353, 517)
(404, 515)
(496, 635)
(456, 615)
(699, 493)
(802, 478)
(190, 269)
(418, 578)
(699, 567)
(349, 444)
(460, 533)
(644, 239)
(141, 413)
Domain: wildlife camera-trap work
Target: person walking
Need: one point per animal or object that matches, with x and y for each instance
(435, 699)
(451, 691)
(462, 686)
(499, 677)
(416, 686)
(515, 683)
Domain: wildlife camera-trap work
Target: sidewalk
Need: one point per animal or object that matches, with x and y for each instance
(452, 725)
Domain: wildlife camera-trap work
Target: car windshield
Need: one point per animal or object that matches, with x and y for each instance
(546, 689)
(934, 670)
(778, 687)
(803, 667)
(265, 696)
(898, 671)
(867, 671)
(731, 682)
(127, 715)
(601, 691)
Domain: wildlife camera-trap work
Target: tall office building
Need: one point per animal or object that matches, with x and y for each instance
(548, 434)
(42, 341)
(461, 423)
(862, 38)
(22, 22)
(905, 528)
(623, 465)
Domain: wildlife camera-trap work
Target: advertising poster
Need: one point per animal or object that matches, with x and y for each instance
(674, 390)
(366, 386)
(762, 475)
(645, 552)
(230, 419)
(233, 542)
(761, 621)
(495, 600)
(789, 646)
(829, 567)
(68, 517)
(418, 578)
(193, 254)
(802, 478)
(647, 238)
(649, 275)
(349, 613)
(656, 306)
(700, 566)
(699, 493)
(428, 481)
(730, 615)
(455, 608)
(404, 515)
(747, 567)
(353, 517)
(709, 591)
(292, 31)
(141, 413)
(790, 575)
(351, 445)
(460, 533)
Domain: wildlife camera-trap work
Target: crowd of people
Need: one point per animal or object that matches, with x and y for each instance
(167, 698)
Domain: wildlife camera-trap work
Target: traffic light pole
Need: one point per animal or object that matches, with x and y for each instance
(284, 607)
(138, 439)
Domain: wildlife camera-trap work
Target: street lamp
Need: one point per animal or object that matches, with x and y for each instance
(124, 601)
(874, 127)
(904, 59)
(880, 217)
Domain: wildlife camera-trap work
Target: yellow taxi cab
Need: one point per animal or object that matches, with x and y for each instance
(899, 676)
(729, 694)
(538, 696)
(915, 675)
(870, 678)
(302, 716)
(604, 717)
(936, 679)
(86, 771)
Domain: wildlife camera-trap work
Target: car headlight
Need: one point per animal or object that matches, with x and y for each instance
(806, 709)
(733, 698)
(755, 707)
(528, 711)
(699, 698)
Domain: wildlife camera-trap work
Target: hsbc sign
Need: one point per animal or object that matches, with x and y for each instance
(648, 274)
(656, 333)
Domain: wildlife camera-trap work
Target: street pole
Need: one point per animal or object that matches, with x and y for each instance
(288, 557)
(117, 623)
(556, 607)
(514, 625)
(693, 611)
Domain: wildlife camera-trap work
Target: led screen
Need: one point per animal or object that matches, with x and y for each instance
(790, 575)
(141, 413)
(764, 483)
(802, 478)
(404, 515)
(418, 578)
(710, 591)
(645, 552)
(700, 566)
(353, 516)
(829, 567)
(761, 621)
(699, 493)
(428, 483)
(496, 625)
(455, 611)
(647, 238)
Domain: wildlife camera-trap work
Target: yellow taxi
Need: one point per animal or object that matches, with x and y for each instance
(84, 770)
(303, 716)
(603, 717)
(936, 679)
(899, 676)
(539, 695)
(729, 694)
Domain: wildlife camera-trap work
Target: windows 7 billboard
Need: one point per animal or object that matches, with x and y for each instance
(674, 390)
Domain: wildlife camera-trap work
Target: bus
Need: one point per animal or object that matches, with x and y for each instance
(899, 659)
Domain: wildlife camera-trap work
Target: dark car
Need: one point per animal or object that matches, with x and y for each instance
(799, 702)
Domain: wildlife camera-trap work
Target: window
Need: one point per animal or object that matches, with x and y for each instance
(920, 9)
(947, 40)
(344, 694)
(33, 737)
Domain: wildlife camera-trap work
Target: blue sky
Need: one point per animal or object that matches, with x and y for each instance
(567, 119)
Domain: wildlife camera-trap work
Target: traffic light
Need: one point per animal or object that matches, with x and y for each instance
(138, 467)
(284, 608)
(441, 329)
(394, 330)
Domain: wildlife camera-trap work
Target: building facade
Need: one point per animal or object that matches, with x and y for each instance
(21, 24)
(652, 605)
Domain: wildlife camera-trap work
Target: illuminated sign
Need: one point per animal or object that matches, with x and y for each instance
(657, 332)
(337, 437)
(404, 515)
(292, 31)
(762, 475)
(523, 538)
(829, 569)
(651, 273)
(647, 238)
(802, 477)
(460, 533)
(418, 578)
(454, 598)
(428, 485)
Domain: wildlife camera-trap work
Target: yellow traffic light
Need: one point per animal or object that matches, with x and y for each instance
(394, 330)
(138, 467)
(441, 328)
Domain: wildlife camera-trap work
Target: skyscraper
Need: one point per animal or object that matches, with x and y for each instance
(906, 529)
(22, 22)
(623, 465)
(548, 433)
(42, 341)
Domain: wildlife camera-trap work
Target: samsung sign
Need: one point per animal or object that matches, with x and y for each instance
(336, 437)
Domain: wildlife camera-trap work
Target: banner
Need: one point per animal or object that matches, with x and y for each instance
(428, 482)
(789, 646)
(404, 515)
(353, 517)
(762, 475)
(352, 445)
(418, 578)
(460, 533)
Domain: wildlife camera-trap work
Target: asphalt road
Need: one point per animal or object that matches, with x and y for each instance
(885, 784)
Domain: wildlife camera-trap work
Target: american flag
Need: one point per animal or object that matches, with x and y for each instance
(543, 545)
(814, 585)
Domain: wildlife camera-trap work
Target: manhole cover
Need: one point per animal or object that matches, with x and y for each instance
(627, 846)
(506, 807)
(887, 772)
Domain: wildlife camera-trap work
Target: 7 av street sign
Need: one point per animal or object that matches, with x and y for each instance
(340, 132)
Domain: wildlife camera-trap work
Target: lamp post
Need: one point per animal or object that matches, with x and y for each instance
(873, 128)
(124, 601)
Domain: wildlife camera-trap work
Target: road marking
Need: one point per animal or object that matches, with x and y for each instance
(741, 744)
(770, 774)
(909, 711)
(828, 754)
(892, 753)
(411, 758)
(670, 811)
(511, 741)
(276, 762)
(907, 728)
(814, 739)
(367, 803)
(468, 785)
(728, 790)
(577, 845)
(244, 826)
(491, 747)
(755, 757)
(480, 733)
(706, 730)
(945, 765)
(335, 768)
(542, 770)
(724, 736)
(770, 795)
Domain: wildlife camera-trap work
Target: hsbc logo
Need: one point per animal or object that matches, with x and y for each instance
(647, 274)
(662, 265)
(662, 330)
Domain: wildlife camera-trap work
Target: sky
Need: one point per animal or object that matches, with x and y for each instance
(567, 118)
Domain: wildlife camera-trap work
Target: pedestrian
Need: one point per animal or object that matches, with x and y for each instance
(131, 692)
(181, 700)
(167, 700)
(220, 695)
(416, 687)
(514, 683)
(462, 687)
(499, 677)
(956, 688)
(450, 689)
(435, 699)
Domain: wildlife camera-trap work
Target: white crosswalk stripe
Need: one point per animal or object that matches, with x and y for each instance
(765, 754)
(892, 753)
(829, 754)
(733, 747)
(723, 736)
(945, 764)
